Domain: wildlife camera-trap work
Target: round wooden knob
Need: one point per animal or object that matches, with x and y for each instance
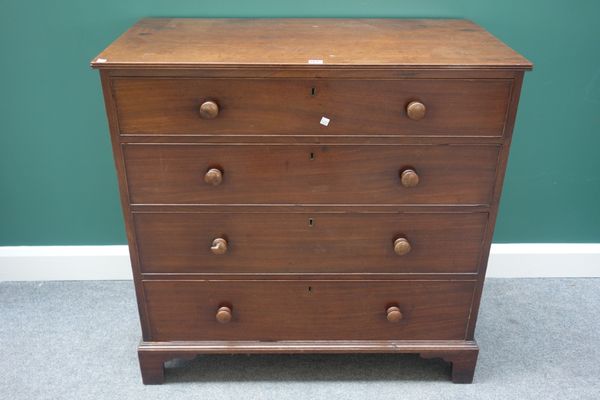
(219, 246)
(409, 178)
(415, 110)
(213, 176)
(393, 314)
(209, 110)
(223, 314)
(401, 246)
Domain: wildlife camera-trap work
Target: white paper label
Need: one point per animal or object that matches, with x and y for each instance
(325, 121)
(101, 60)
(315, 61)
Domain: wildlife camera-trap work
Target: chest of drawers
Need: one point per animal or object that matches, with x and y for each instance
(309, 185)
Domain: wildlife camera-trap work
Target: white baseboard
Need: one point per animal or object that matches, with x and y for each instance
(544, 260)
(64, 263)
(57, 263)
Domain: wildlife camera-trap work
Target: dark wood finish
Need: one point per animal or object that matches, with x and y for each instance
(256, 226)
(455, 107)
(185, 310)
(152, 363)
(124, 198)
(153, 355)
(502, 162)
(463, 363)
(304, 208)
(294, 174)
(299, 243)
(185, 43)
(316, 71)
(308, 276)
(310, 140)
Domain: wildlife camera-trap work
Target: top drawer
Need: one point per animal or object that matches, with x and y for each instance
(417, 107)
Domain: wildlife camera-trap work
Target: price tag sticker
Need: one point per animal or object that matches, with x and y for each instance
(315, 61)
(325, 121)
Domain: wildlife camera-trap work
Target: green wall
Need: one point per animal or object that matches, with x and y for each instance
(58, 184)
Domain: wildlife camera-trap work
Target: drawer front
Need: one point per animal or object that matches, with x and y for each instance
(310, 174)
(309, 243)
(308, 310)
(453, 107)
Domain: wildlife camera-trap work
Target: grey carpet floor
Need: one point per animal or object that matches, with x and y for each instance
(539, 338)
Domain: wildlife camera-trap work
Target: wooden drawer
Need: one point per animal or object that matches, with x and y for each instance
(298, 242)
(308, 310)
(310, 174)
(454, 107)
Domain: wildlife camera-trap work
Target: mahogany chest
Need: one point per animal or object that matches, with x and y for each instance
(309, 185)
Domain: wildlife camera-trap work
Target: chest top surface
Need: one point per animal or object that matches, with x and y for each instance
(408, 43)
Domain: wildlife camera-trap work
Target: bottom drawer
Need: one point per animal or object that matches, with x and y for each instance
(270, 310)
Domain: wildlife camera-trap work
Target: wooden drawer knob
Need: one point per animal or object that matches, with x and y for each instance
(393, 314)
(223, 314)
(219, 246)
(415, 110)
(401, 246)
(209, 110)
(213, 176)
(409, 178)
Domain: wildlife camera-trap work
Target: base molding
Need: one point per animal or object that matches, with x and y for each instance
(461, 354)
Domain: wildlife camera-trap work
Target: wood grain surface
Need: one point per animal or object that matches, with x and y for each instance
(309, 185)
(312, 310)
(455, 107)
(184, 43)
(309, 174)
(309, 243)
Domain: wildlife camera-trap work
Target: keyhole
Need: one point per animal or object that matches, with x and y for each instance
(310, 289)
(311, 222)
(312, 156)
(313, 91)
